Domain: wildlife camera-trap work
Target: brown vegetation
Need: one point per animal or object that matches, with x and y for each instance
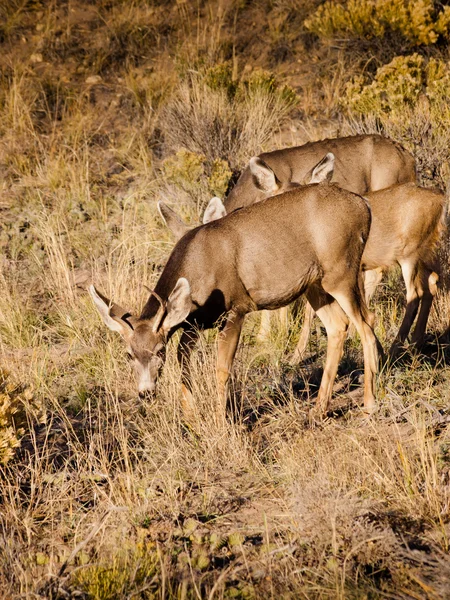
(105, 108)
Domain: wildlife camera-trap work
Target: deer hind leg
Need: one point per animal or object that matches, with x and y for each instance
(282, 317)
(227, 343)
(352, 303)
(429, 286)
(414, 293)
(371, 280)
(187, 342)
(305, 333)
(336, 323)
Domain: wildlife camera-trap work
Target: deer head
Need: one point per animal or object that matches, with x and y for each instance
(146, 338)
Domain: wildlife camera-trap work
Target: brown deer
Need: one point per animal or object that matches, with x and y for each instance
(362, 163)
(263, 256)
(407, 222)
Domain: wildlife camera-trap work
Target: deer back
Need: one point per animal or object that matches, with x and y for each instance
(265, 255)
(363, 163)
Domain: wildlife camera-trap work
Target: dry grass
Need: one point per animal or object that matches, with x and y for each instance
(108, 496)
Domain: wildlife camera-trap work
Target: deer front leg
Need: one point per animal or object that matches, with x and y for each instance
(187, 342)
(264, 328)
(227, 343)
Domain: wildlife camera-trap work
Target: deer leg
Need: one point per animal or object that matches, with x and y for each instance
(353, 305)
(264, 329)
(336, 323)
(430, 279)
(414, 292)
(187, 342)
(371, 279)
(228, 340)
(302, 343)
(282, 317)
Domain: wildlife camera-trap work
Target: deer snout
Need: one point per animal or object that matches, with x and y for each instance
(146, 394)
(146, 383)
(146, 386)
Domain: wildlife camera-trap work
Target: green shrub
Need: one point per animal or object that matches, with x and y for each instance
(127, 574)
(417, 21)
(395, 85)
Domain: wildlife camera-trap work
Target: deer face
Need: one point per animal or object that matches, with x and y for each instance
(147, 351)
(146, 339)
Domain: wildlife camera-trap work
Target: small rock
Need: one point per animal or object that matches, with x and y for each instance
(36, 58)
(93, 79)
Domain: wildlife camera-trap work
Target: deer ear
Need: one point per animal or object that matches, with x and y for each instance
(214, 211)
(263, 176)
(178, 305)
(176, 225)
(114, 316)
(322, 171)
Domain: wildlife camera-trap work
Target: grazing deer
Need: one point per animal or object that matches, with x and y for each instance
(362, 163)
(263, 256)
(407, 222)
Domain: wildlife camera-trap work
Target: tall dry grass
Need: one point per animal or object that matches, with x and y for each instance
(108, 496)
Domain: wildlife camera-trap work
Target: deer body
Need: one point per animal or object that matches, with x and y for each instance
(363, 163)
(262, 256)
(407, 221)
(257, 258)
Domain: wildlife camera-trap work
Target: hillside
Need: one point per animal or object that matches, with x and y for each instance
(106, 107)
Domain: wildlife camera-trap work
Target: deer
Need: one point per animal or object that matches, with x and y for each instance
(363, 163)
(407, 223)
(262, 256)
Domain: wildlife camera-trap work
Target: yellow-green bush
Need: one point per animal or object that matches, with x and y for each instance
(190, 171)
(126, 574)
(400, 84)
(408, 101)
(419, 22)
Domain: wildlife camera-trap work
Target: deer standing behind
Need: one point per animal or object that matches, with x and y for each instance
(363, 163)
(263, 256)
(407, 222)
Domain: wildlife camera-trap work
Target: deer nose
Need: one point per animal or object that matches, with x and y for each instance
(146, 394)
